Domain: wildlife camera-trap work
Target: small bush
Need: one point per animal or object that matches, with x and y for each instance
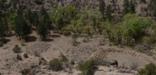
(55, 65)
(64, 58)
(26, 72)
(87, 67)
(17, 49)
(150, 38)
(149, 69)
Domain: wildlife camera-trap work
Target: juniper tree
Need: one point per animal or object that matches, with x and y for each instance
(2, 28)
(32, 17)
(102, 8)
(22, 28)
(152, 7)
(4, 16)
(129, 6)
(43, 26)
(109, 13)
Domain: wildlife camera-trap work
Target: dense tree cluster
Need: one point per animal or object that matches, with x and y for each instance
(20, 18)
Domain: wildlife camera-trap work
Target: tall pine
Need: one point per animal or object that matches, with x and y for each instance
(4, 16)
(152, 7)
(44, 24)
(22, 28)
(129, 6)
(102, 8)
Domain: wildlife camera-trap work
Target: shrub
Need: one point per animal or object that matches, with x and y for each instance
(17, 49)
(130, 30)
(55, 65)
(85, 22)
(63, 58)
(151, 34)
(87, 67)
(26, 72)
(149, 69)
(62, 15)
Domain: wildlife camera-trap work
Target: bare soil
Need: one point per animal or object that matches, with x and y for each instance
(38, 51)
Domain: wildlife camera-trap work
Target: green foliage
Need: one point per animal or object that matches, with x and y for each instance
(86, 22)
(43, 25)
(62, 15)
(109, 16)
(152, 7)
(55, 65)
(129, 6)
(151, 34)
(32, 17)
(2, 28)
(22, 28)
(130, 30)
(102, 8)
(149, 69)
(4, 12)
(134, 26)
(87, 67)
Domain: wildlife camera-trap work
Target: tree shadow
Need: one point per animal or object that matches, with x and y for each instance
(4, 41)
(30, 39)
(47, 40)
(10, 34)
(55, 35)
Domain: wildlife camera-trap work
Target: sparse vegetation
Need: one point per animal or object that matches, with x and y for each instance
(87, 67)
(55, 65)
(149, 69)
(17, 49)
(115, 23)
(43, 25)
(26, 72)
(130, 30)
(62, 16)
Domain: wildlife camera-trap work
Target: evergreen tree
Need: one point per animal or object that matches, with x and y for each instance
(132, 6)
(129, 6)
(2, 28)
(43, 26)
(109, 13)
(152, 7)
(126, 6)
(22, 28)
(102, 8)
(4, 16)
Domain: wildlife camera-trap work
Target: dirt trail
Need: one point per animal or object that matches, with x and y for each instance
(125, 57)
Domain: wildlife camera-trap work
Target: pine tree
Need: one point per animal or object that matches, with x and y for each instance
(126, 6)
(4, 15)
(152, 7)
(109, 13)
(43, 26)
(129, 6)
(102, 8)
(132, 6)
(22, 28)
(2, 28)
